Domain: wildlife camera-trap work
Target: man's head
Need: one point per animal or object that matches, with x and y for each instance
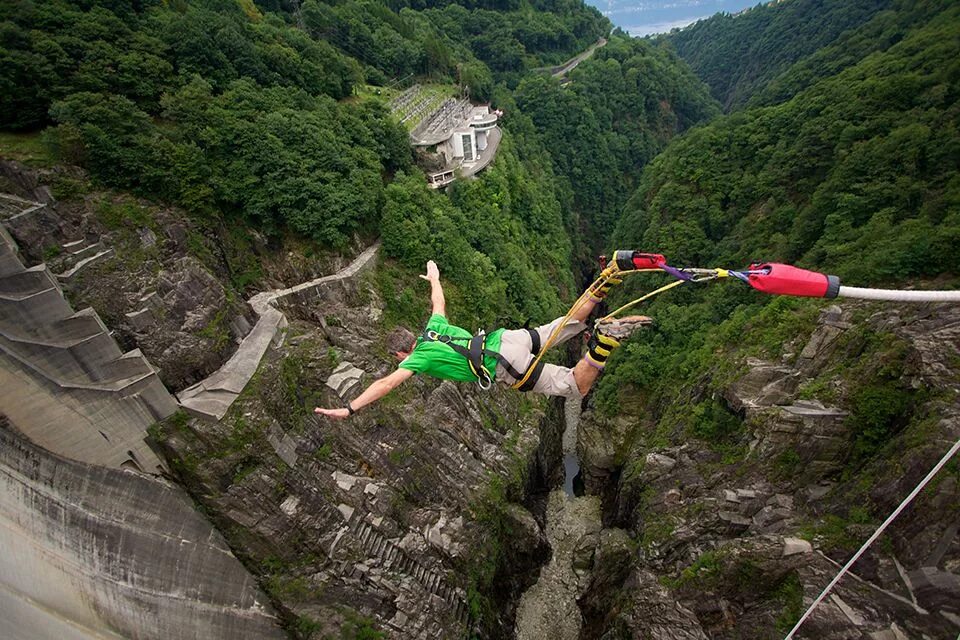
(401, 342)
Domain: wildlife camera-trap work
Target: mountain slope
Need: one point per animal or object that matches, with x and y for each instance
(744, 421)
(738, 55)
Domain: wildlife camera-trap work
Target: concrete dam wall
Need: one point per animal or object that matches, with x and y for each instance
(91, 552)
(64, 380)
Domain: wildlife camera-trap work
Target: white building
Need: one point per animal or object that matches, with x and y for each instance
(464, 138)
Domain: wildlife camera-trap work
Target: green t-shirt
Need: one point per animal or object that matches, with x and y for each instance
(441, 361)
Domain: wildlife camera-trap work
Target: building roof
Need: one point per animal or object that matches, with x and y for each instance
(451, 116)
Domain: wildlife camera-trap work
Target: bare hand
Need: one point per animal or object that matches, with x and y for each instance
(336, 414)
(433, 273)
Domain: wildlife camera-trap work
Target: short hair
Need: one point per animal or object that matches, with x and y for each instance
(400, 339)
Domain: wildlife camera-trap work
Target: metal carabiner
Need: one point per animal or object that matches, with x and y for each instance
(700, 275)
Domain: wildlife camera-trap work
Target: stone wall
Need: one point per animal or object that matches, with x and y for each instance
(90, 552)
(211, 398)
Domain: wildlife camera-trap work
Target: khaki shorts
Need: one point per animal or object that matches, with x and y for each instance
(516, 346)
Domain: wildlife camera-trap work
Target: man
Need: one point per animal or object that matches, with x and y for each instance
(441, 352)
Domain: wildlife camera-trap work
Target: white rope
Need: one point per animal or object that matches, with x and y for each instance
(899, 296)
(876, 534)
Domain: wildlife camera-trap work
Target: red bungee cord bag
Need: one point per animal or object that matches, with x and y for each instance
(628, 260)
(785, 280)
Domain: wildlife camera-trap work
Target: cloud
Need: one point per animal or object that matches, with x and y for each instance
(662, 27)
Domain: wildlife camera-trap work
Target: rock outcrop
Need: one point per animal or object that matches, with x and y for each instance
(738, 548)
(212, 397)
(396, 514)
(137, 264)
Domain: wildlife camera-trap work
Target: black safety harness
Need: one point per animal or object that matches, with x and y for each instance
(475, 350)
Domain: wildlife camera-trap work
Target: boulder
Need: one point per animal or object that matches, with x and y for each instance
(344, 377)
(733, 524)
(793, 546)
(657, 465)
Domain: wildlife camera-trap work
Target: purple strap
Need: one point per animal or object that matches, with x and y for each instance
(676, 273)
(593, 364)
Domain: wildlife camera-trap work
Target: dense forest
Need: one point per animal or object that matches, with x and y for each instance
(615, 115)
(858, 175)
(245, 111)
(738, 55)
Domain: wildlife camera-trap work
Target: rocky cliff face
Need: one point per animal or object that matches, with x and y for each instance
(735, 541)
(139, 266)
(91, 552)
(406, 518)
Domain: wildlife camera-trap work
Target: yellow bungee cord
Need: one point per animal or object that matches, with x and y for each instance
(610, 272)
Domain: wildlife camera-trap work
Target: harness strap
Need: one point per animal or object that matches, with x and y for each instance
(478, 344)
(534, 340)
(532, 379)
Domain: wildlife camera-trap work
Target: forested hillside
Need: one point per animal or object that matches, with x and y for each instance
(738, 55)
(261, 130)
(852, 169)
(236, 110)
(856, 176)
(618, 111)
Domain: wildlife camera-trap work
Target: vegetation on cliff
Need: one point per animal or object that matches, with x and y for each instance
(845, 162)
(856, 176)
(618, 111)
(841, 153)
(241, 111)
(739, 55)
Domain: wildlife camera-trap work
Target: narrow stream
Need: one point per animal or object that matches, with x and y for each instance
(549, 609)
(572, 480)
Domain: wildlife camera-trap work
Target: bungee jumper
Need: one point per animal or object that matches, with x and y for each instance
(514, 356)
(509, 356)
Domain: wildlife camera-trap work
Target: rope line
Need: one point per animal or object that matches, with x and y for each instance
(667, 287)
(605, 275)
(898, 295)
(685, 275)
(876, 534)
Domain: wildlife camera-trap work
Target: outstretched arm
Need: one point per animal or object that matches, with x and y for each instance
(436, 291)
(376, 390)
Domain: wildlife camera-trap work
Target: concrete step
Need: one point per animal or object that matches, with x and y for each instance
(206, 407)
(100, 256)
(224, 396)
(81, 325)
(79, 380)
(27, 281)
(129, 365)
(33, 208)
(26, 284)
(41, 308)
(66, 333)
(93, 353)
(157, 399)
(94, 359)
(82, 247)
(54, 363)
(71, 257)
